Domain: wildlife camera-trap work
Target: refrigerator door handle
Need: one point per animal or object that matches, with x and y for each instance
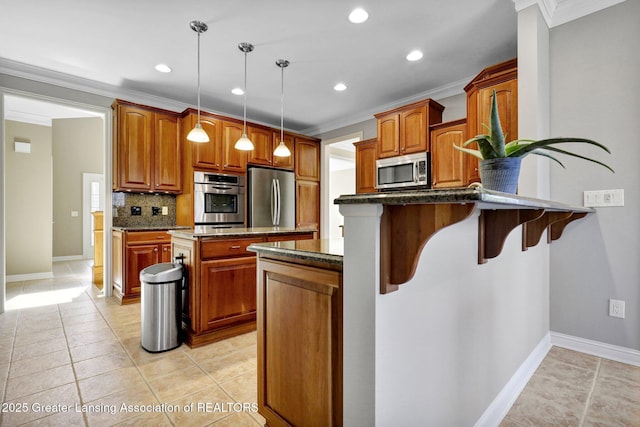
(273, 201)
(278, 202)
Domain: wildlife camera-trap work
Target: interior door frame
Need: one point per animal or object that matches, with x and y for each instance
(105, 114)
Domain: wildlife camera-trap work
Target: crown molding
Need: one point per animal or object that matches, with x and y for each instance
(558, 12)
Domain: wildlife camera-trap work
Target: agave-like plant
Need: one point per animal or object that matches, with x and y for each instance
(492, 145)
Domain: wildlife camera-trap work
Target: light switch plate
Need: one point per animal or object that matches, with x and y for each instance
(601, 198)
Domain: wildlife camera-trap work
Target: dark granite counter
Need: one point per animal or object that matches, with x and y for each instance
(208, 231)
(485, 199)
(151, 228)
(327, 251)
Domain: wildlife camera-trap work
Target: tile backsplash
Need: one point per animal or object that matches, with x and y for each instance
(125, 204)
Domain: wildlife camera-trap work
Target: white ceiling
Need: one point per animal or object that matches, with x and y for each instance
(112, 47)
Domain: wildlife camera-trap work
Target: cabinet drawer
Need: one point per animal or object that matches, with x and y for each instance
(136, 237)
(226, 248)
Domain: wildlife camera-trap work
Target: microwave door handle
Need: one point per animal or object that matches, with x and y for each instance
(415, 171)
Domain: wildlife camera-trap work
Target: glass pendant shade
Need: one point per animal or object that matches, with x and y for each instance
(198, 134)
(244, 143)
(282, 150)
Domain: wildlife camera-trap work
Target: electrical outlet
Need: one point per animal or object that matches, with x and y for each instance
(616, 308)
(155, 210)
(600, 198)
(165, 210)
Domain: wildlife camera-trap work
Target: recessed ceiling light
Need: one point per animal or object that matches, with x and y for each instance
(163, 68)
(340, 87)
(358, 16)
(237, 91)
(414, 55)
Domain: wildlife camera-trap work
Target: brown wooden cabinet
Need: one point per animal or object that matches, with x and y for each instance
(307, 172)
(405, 130)
(299, 344)
(146, 149)
(220, 301)
(447, 163)
(262, 138)
(366, 156)
(98, 248)
(132, 252)
(204, 155)
(232, 160)
(503, 78)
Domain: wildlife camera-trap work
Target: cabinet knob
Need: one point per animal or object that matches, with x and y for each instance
(235, 247)
(155, 250)
(164, 249)
(475, 169)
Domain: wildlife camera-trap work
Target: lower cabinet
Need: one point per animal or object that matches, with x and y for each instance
(307, 204)
(132, 252)
(220, 301)
(299, 344)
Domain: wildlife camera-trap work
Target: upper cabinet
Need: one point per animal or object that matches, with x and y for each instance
(405, 130)
(503, 78)
(262, 153)
(366, 156)
(447, 163)
(146, 149)
(232, 160)
(307, 172)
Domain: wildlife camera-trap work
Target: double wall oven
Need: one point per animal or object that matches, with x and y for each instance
(218, 200)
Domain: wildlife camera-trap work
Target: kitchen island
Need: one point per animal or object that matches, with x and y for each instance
(220, 299)
(300, 332)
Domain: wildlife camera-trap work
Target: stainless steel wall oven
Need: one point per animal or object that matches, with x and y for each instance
(218, 199)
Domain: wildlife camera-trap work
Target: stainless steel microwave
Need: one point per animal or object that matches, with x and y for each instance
(413, 170)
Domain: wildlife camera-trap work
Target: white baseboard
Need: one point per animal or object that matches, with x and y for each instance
(32, 276)
(500, 406)
(596, 348)
(67, 258)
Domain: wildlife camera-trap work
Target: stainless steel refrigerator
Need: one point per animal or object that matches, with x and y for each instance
(271, 198)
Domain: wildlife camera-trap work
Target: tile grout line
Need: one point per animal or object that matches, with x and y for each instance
(590, 396)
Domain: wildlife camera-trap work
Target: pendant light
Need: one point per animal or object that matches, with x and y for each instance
(198, 134)
(282, 150)
(244, 143)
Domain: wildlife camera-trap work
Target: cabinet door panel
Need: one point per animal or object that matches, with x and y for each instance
(262, 153)
(168, 157)
(389, 136)
(284, 162)
(207, 155)
(307, 204)
(413, 130)
(232, 160)
(447, 163)
(138, 258)
(135, 141)
(228, 291)
(307, 159)
(366, 167)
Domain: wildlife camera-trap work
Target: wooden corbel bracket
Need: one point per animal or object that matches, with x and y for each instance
(554, 231)
(494, 225)
(532, 231)
(404, 230)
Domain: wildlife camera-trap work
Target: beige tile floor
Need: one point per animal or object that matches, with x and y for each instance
(77, 350)
(577, 389)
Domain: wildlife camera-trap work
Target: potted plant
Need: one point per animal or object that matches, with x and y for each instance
(500, 161)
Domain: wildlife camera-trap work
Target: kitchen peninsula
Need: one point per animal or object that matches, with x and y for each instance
(220, 300)
(330, 328)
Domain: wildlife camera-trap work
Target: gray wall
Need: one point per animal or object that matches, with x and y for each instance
(595, 65)
(77, 148)
(28, 200)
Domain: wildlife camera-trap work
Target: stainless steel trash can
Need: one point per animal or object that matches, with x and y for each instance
(161, 307)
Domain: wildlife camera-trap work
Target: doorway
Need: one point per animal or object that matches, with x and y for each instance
(18, 106)
(341, 179)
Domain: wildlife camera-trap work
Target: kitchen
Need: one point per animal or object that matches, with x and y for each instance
(557, 318)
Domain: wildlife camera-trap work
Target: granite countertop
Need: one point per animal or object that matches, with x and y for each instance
(329, 251)
(151, 228)
(204, 231)
(486, 199)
